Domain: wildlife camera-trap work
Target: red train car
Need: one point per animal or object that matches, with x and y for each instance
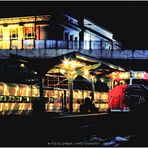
(127, 97)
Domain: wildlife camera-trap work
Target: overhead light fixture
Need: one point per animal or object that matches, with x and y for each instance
(22, 65)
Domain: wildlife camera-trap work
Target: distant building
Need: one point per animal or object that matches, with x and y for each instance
(49, 31)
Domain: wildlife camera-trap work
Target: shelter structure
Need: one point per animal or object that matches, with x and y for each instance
(63, 71)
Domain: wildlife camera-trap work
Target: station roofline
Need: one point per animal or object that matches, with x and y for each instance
(54, 61)
(98, 25)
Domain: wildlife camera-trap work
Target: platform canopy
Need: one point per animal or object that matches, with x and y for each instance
(81, 65)
(75, 61)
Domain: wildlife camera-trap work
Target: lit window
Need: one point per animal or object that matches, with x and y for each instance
(13, 33)
(1, 38)
(29, 32)
(1, 34)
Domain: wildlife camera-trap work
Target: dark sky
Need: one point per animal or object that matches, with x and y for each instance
(127, 20)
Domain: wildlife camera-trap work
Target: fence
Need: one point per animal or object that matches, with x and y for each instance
(57, 44)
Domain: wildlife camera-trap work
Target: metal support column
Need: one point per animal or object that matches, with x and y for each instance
(92, 90)
(71, 95)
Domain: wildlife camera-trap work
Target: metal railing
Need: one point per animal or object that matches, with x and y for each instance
(58, 44)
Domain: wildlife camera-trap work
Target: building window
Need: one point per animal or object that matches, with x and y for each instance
(13, 33)
(1, 34)
(29, 32)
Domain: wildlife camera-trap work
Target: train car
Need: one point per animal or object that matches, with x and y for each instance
(17, 98)
(127, 97)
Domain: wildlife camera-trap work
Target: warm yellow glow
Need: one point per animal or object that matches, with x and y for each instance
(6, 92)
(138, 75)
(121, 69)
(102, 80)
(71, 64)
(84, 58)
(86, 72)
(124, 75)
(66, 63)
(25, 19)
(13, 30)
(111, 66)
(62, 71)
(113, 77)
(35, 91)
(13, 26)
(29, 25)
(22, 65)
(16, 90)
(12, 106)
(142, 75)
(27, 90)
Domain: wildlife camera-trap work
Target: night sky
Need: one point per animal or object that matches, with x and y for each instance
(127, 20)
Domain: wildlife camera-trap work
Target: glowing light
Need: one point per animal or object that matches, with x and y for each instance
(6, 92)
(113, 67)
(29, 25)
(24, 19)
(102, 80)
(66, 63)
(62, 71)
(73, 64)
(84, 58)
(16, 90)
(86, 72)
(35, 72)
(124, 75)
(22, 65)
(27, 90)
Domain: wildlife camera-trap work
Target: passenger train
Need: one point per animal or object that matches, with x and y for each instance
(18, 99)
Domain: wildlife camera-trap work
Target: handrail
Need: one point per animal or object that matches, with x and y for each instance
(57, 44)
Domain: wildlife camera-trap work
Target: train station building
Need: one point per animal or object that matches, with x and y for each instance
(65, 75)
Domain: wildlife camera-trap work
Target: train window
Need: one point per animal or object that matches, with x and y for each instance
(1, 98)
(27, 99)
(142, 99)
(17, 99)
(136, 99)
(20, 98)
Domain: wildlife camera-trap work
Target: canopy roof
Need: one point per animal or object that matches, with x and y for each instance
(43, 66)
(95, 65)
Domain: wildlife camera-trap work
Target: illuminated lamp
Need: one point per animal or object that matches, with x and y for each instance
(66, 63)
(22, 65)
(102, 80)
(113, 77)
(136, 75)
(142, 75)
(123, 75)
(73, 64)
